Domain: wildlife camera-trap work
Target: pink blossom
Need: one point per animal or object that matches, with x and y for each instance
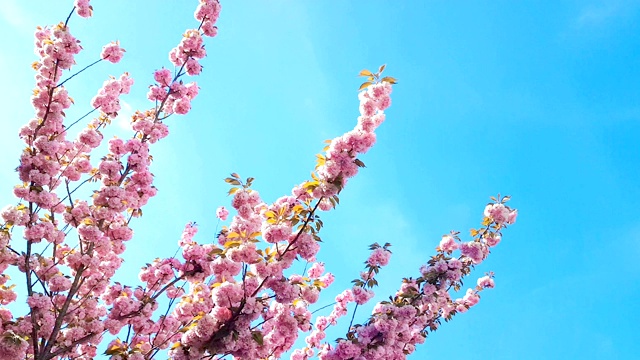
(473, 250)
(361, 295)
(193, 67)
(316, 270)
(471, 297)
(493, 239)
(499, 213)
(12, 346)
(327, 279)
(83, 8)
(379, 257)
(182, 106)
(209, 29)
(116, 146)
(163, 77)
(112, 52)
(222, 213)
(486, 282)
(448, 244)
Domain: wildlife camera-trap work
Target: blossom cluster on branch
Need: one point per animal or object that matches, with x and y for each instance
(72, 300)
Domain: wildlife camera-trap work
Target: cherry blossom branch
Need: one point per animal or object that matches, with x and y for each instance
(79, 72)
(304, 225)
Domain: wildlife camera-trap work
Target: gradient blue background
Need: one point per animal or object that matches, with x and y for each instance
(536, 99)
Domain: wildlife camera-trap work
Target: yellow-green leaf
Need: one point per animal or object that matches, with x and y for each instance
(216, 251)
(311, 184)
(389, 79)
(231, 244)
(114, 350)
(364, 85)
(232, 181)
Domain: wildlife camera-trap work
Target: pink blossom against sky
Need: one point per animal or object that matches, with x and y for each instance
(540, 104)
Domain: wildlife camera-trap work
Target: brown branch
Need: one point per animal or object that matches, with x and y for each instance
(67, 348)
(32, 311)
(306, 222)
(58, 324)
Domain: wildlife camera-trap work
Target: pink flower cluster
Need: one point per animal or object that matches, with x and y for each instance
(83, 8)
(207, 13)
(12, 346)
(500, 213)
(360, 293)
(56, 48)
(341, 159)
(249, 283)
(379, 257)
(175, 97)
(397, 326)
(107, 99)
(73, 300)
(44, 135)
(112, 52)
(189, 51)
(222, 213)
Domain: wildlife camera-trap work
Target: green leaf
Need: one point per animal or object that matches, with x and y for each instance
(257, 337)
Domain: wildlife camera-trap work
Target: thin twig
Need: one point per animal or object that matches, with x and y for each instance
(85, 68)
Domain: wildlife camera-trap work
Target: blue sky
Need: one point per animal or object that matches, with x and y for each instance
(539, 100)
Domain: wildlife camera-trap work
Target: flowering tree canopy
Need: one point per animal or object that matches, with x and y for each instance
(237, 297)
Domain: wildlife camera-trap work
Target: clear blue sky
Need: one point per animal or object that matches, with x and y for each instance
(536, 99)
